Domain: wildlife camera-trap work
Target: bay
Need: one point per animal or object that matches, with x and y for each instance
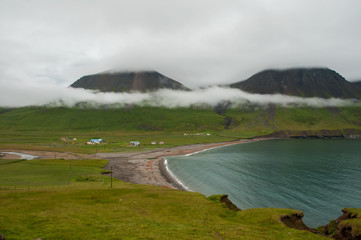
(317, 176)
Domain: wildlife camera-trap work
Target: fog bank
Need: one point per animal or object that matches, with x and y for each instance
(26, 95)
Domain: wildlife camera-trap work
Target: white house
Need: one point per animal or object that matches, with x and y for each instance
(134, 143)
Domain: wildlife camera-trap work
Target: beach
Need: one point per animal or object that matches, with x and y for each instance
(145, 167)
(148, 167)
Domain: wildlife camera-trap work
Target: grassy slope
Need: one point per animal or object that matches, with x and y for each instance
(22, 173)
(319, 118)
(91, 210)
(136, 119)
(42, 127)
(256, 122)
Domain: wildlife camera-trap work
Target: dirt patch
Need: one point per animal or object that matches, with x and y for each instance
(230, 205)
(295, 221)
(9, 156)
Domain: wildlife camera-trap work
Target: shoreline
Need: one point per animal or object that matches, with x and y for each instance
(169, 176)
(146, 167)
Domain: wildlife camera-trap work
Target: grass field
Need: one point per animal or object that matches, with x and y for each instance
(90, 209)
(41, 128)
(51, 172)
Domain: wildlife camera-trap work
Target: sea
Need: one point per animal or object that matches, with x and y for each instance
(318, 176)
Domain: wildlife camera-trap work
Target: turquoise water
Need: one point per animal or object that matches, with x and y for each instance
(317, 176)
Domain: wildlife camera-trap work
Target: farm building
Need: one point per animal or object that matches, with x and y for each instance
(134, 143)
(97, 140)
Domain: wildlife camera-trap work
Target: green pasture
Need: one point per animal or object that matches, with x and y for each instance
(114, 141)
(41, 128)
(89, 209)
(49, 172)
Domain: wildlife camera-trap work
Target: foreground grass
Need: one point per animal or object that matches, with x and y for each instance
(133, 212)
(90, 209)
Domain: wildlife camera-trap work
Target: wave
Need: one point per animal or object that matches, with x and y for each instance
(174, 176)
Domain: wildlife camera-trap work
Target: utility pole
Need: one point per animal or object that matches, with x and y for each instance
(69, 171)
(111, 176)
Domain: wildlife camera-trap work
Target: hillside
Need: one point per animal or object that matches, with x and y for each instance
(127, 81)
(268, 119)
(43, 126)
(303, 82)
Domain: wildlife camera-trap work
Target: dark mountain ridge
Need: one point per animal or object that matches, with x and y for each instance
(303, 82)
(357, 83)
(142, 81)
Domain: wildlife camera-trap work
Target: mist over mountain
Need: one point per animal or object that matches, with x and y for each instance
(131, 81)
(149, 88)
(302, 82)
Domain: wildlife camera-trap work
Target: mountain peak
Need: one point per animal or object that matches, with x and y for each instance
(303, 82)
(127, 81)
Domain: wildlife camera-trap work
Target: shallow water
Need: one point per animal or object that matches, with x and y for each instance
(23, 155)
(317, 176)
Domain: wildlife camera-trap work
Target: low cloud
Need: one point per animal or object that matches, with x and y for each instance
(22, 95)
(201, 43)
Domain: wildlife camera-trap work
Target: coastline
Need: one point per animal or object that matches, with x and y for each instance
(146, 167)
(169, 176)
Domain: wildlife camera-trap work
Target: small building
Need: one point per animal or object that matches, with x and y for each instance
(154, 143)
(97, 140)
(161, 143)
(134, 143)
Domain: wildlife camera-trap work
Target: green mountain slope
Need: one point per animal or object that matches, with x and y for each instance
(135, 119)
(239, 122)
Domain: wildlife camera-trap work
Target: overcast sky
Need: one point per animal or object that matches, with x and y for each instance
(198, 42)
